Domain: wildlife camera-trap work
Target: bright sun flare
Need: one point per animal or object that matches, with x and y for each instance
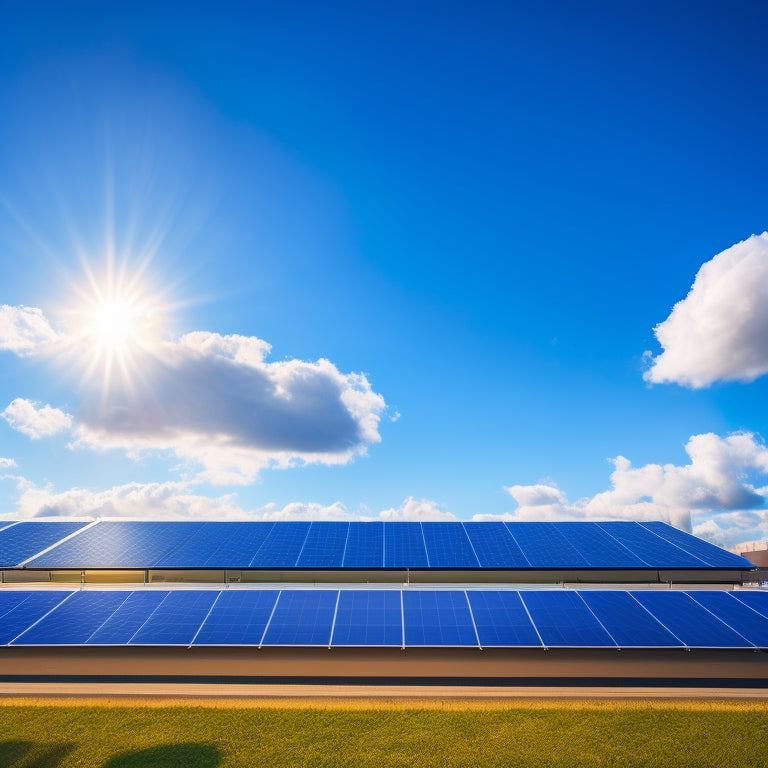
(115, 323)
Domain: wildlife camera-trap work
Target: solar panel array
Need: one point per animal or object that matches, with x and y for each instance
(481, 618)
(360, 545)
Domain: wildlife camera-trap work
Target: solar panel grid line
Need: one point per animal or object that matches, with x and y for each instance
(402, 620)
(128, 594)
(10, 524)
(533, 623)
(657, 619)
(151, 614)
(202, 623)
(269, 620)
(519, 546)
(383, 545)
(597, 619)
(13, 604)
(472, 546)
(474, 623)
(304, 544)
(623, 544)
(677, 546)
(179, 545)
(346, 542)
(46, 614)
(424, 542)
(751, 607)
(719, 618)
(333, 620)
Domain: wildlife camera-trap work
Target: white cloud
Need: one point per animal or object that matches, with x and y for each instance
(713, 491)
(720, 330)
(26, 417)
(210, 399)
(417, 509)
(6, 463)
(25, 330)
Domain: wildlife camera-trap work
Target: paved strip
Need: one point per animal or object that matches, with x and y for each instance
(270, 693)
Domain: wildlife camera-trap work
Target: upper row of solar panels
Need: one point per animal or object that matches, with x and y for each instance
(387, 617)
(357, 545)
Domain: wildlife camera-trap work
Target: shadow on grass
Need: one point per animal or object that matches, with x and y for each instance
(33, 754)
(188, 755)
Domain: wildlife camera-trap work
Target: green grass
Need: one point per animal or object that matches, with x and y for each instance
(380, 734)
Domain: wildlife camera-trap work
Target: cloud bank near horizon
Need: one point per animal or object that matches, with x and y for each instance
(719, 331)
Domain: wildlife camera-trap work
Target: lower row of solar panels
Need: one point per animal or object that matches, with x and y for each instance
(386, 617)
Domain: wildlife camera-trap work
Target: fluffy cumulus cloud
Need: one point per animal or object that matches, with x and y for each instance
(417, 509)
(25, 330)
(35, 421)
(719, 332)
(211, 399)
(7, 463)
(714, 494)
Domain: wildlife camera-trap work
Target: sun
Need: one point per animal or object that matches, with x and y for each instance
(115, 322)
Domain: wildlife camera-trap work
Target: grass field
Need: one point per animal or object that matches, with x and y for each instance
(226, 734)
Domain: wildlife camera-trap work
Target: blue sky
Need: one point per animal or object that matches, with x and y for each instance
(452, 227)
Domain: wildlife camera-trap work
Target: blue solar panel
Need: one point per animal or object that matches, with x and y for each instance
(685, 618)
(176, 620)
(119, 544)
(563, 619)
(404, 546)
(218, 545)
(238, 618)
(365, 546)
(9, 600)
(501, 619)
(709, 553)
(73, 622)
(630, 625)
(598, 548)
(302, 617)
(282, 546)
(650, 547)
(752, 626)
(545, 547)
(20, 542)
(128, 619)
(438, 618)
(368, 617)
(324, 545)
(757, 601)
(448, 546)
(494, 546)
(26, 613)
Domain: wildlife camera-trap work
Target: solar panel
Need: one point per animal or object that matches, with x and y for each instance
(20, 542)
(368, 617)
(545, 547)
(651, 548)
(218, 545)
(365, 546)
(404, 546)
(757, 601)
(9, 600)
(129, 618)
(438, 618)
(686, 619)
(282, 546)
(597, 548)
(26, 613)
(448, 546)
(302, 617)
(118, 544)
(176, 620)
(709, 553)
(239, 617)
(494, 546)
(501, 619)
(324, 545)
(630, 625)
(73, 622)
(751, 625)
(563, 619)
